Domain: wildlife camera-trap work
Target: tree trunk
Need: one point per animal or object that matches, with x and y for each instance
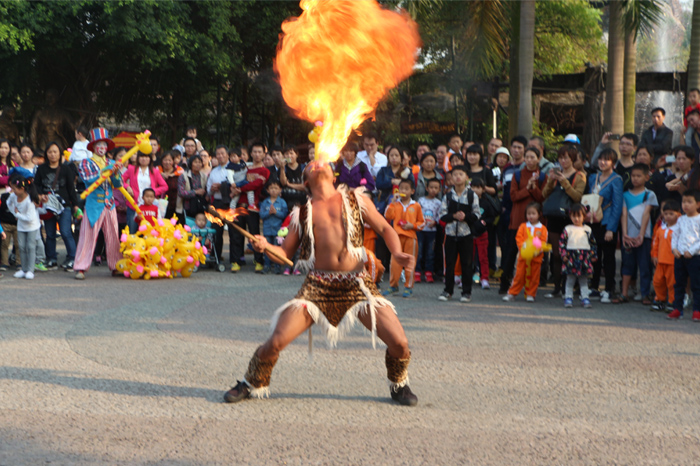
(527, 58)
(630, 81)
(514, 74)
(694, 61)
(614, 105)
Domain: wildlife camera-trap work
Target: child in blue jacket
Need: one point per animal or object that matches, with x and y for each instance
(273, 211)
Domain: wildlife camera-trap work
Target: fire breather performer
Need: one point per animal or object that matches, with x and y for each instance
(337, 291)
(335, 63)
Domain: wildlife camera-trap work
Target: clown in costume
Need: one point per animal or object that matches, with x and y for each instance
(338, 291)
(100, 213)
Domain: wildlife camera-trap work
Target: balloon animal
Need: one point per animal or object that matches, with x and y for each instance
(531, 248)
(160, 251)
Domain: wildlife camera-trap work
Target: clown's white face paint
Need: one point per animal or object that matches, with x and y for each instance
(101, 148)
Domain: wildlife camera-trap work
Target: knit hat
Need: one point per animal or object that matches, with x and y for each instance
(99, 135)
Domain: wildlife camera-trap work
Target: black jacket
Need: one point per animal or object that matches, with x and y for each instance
(663, 142)
(46, 183)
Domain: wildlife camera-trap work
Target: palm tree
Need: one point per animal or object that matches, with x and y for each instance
(526, 66)
(614, 115)
(694, 61)
(476, 30)
(514, 72)
(638, 16)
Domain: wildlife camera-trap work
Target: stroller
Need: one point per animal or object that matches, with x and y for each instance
(206, 236)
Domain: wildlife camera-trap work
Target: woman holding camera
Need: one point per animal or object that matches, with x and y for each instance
(565, 186)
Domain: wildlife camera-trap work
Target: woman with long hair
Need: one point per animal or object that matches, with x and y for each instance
(171, 173)
(139, 177)
(564, 188)
(5, 163)
(54, 183)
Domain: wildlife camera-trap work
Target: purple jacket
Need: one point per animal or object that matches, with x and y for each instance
(353, 176)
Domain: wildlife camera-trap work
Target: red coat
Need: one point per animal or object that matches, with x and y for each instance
(131, 178)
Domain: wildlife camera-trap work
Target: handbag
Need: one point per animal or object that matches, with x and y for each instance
(493, 201)
(558, 203)
(594, 201)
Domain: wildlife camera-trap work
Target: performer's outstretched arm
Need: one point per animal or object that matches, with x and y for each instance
(391, 238)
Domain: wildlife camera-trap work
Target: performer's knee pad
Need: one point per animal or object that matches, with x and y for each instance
(397, 370)
(260, 371)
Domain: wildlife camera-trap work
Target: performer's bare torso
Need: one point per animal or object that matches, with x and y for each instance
(329, 234)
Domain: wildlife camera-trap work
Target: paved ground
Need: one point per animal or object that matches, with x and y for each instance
(111, 371)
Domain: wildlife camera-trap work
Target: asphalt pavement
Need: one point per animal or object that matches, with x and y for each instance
(115, 371)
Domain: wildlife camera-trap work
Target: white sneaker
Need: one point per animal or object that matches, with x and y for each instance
(686, 301)
(638, 297)
(530, 299)
(605, 297)
(19, 274)
(29, 275)
(509, 298)
(485, 285)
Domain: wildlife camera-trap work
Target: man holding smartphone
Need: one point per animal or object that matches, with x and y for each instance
(627, 148)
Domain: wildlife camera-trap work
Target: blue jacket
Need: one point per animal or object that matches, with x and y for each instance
(386, 189)
(611, 191)
(273, 222)
(101, 197)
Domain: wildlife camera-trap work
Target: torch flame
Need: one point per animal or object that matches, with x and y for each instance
(229, 215)
(337, 61)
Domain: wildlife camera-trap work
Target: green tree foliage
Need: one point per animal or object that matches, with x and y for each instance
(567, 35)
(12, 38)
(159, 61)
(169, 63)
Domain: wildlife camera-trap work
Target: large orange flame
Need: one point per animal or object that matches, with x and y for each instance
(337, 61)
(229, 215)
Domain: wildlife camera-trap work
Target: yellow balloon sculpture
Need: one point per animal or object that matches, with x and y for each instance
(532, 247)
(160, 251)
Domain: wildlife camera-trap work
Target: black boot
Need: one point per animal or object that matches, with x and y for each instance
(505, 285)
(404, 396)
(240, 392)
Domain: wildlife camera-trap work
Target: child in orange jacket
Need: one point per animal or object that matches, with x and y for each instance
(370, 238)
(662, 256)
(407, 217)
(522, 279)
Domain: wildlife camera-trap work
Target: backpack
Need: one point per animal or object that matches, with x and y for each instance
(476, 225)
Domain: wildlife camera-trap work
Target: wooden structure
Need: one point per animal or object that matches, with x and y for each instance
(577, 99)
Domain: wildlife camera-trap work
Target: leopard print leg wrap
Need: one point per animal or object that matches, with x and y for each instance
(258, 375)
(397, 371)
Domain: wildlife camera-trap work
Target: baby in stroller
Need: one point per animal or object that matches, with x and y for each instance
(206, 234)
